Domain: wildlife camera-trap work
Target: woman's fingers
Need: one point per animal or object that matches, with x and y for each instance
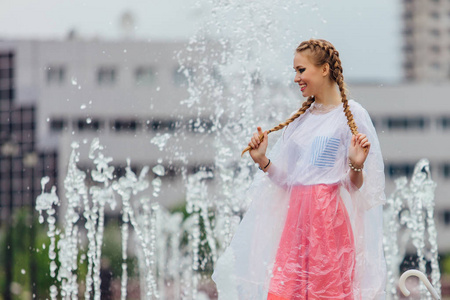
(361, 139)
(255, 140)
(259, 131)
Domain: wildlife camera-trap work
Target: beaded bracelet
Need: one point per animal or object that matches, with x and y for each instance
(265, 166)
(354, 168)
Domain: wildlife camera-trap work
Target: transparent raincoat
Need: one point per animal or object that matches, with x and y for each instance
(309, 233)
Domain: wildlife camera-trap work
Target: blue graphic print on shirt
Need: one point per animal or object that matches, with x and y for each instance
(324, 151)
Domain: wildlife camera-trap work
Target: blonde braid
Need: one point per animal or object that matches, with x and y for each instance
(300, 112)
(323, 52)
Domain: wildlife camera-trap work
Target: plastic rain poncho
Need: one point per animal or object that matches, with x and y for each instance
(309, 233)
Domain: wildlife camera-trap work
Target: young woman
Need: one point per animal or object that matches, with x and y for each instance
(314, 228)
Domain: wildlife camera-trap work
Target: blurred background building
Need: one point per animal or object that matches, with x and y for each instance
(128, 92)
(426, 40)
(124, 92)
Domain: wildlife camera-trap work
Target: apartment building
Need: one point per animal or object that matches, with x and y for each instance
(426, 40)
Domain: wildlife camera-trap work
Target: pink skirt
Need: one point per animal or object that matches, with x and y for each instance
(316, 255)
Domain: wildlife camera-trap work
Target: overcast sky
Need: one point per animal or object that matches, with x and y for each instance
(366, 33)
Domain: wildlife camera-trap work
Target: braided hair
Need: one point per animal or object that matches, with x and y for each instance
(322, 52)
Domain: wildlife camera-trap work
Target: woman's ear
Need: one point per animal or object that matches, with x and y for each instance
(325, 69)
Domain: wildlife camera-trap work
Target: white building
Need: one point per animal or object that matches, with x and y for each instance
(413, 122)
(125, 93)
(84, 89)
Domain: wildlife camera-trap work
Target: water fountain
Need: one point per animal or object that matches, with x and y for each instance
(409, 219)
(242, 71)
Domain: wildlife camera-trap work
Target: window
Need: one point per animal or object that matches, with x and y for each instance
(157, 125)
(6, 94)
(56, 75)
(200, 125)
(125, 125)
(6, 73)
(57, 125)
(444, 122)
(394, 123)
(407, 15)
(397, 170)
(88, 124)
(144, 76)
(106, 76)
(121, 170)
(446, 216)
(208, 169)
(445, 170)
(408, 31)
(435, 32)
(435, 49)
(435, 66)
(434, 14)
(408, 65)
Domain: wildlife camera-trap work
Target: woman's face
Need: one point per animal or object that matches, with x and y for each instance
(308, 76)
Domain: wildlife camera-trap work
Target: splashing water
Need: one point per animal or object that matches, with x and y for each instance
(160, 140)
(169, 266)
(408, 216)
(157, 234)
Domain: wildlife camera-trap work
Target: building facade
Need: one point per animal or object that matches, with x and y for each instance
(125, 93)
(128, 92)
(426, 40)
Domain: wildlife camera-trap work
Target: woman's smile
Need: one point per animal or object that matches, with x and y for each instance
(302, 86)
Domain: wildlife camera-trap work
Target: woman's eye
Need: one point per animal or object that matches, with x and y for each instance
(301, 70)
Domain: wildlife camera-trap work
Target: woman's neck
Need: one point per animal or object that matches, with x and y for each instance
(329, 96)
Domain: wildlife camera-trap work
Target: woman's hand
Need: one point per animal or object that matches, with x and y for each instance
(258, 151)
(358, 150)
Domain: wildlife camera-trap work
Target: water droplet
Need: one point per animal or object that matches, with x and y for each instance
(74, 80)
(48, 119)
(83, 106)
(158, 88)
(124, 50)
(88, 121)
(158, 170)
(160, 140)
(23, 271)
